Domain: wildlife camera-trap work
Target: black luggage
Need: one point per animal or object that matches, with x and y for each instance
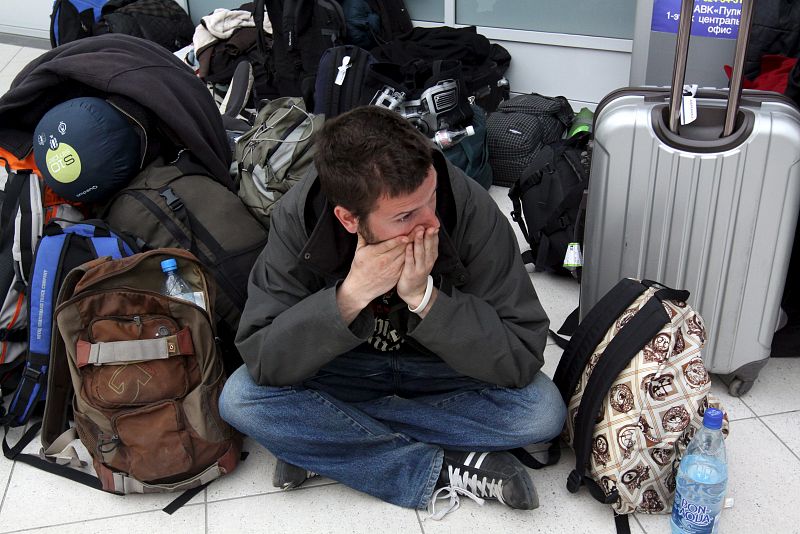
(519, 128)
(341, 78)
(302, 30)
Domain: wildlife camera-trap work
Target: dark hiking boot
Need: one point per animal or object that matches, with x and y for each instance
(288, 476)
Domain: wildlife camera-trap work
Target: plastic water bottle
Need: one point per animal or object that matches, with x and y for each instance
(175, 286)
(702, 479)
(448, 138)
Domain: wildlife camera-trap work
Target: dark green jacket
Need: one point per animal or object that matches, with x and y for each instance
(486, 323)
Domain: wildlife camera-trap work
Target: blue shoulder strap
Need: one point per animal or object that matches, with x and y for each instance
(44, 287)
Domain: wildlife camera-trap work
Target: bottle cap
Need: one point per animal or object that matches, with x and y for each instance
(169, 265)
(470, 130)
(712, 419)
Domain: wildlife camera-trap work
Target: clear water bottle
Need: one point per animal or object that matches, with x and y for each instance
(702, 480)
(448, 138)
(175, 286)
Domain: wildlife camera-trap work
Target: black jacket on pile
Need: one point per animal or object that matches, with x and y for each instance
(775, 30)
(140, 70)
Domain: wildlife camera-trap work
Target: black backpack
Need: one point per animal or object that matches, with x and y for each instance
(519, 128)
(341, 83)
(302, 30)
(549, 202)
(160, 21)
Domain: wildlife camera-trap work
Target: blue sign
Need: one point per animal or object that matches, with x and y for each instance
(711, 18)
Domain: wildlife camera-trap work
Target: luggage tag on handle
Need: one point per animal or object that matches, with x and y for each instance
(688, 104)
(342, 70)
(573, 258)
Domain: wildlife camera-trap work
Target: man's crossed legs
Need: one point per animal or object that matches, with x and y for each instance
(396, 425)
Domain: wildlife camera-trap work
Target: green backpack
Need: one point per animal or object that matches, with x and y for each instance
(275, 154)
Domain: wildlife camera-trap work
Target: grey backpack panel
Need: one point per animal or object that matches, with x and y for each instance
(275, 154)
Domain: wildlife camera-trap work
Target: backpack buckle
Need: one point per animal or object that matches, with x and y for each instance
(173, 201)
(574, 481)
(33, 374)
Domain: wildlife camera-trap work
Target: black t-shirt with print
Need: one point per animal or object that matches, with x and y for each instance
(385, 337)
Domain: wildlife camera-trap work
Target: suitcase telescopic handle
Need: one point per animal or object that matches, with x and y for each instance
(682, 53)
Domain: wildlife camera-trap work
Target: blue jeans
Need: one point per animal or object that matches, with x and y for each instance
(378, 422)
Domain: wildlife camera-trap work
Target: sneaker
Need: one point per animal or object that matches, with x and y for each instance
(288, 476)
(483, 475)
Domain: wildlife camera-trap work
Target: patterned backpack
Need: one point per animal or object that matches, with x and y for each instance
(635, 386)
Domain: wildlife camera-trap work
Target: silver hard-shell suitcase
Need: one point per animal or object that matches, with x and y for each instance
(710, 206)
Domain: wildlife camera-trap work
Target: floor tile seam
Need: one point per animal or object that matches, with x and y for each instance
(780, 440)
(8, 485)
(276, 492)
(11, 60)
(419, 521)
(636, 518)
(6, 64)
(775, 413)
(33, 529)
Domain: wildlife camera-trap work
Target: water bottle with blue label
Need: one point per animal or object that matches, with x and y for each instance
(176, 286)
(702, 479)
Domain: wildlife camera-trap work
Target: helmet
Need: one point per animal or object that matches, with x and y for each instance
(86, 149)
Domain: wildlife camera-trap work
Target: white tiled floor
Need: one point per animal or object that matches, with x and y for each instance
(763, 451)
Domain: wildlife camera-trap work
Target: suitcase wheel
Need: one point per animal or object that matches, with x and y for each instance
(739, 387)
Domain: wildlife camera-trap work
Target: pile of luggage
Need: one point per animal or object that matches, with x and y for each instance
(111, 149)
(122, 168)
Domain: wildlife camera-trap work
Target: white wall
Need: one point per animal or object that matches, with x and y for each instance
(26, 17)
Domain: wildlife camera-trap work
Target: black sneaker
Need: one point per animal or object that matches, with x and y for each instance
(288, 476)
(484, 475)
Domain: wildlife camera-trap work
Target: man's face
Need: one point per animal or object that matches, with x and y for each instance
(397, 216)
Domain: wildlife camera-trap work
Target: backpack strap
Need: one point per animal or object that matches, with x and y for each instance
(18, 199)
(45, 280)
(578, 351)
(533, 175)
(258, 18)
(636, 333)
(591, 331)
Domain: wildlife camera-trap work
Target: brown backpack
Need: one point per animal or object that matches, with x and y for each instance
(146, 377)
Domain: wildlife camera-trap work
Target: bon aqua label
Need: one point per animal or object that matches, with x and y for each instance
(696, 514)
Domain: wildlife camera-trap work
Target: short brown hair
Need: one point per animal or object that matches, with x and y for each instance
(368, 152)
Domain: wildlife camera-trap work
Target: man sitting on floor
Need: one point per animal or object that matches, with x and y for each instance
(391, 330)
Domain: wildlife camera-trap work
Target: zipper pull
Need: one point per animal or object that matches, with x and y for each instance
(137, 320)
(342, 70)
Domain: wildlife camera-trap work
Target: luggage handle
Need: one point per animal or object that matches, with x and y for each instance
(682, 53)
